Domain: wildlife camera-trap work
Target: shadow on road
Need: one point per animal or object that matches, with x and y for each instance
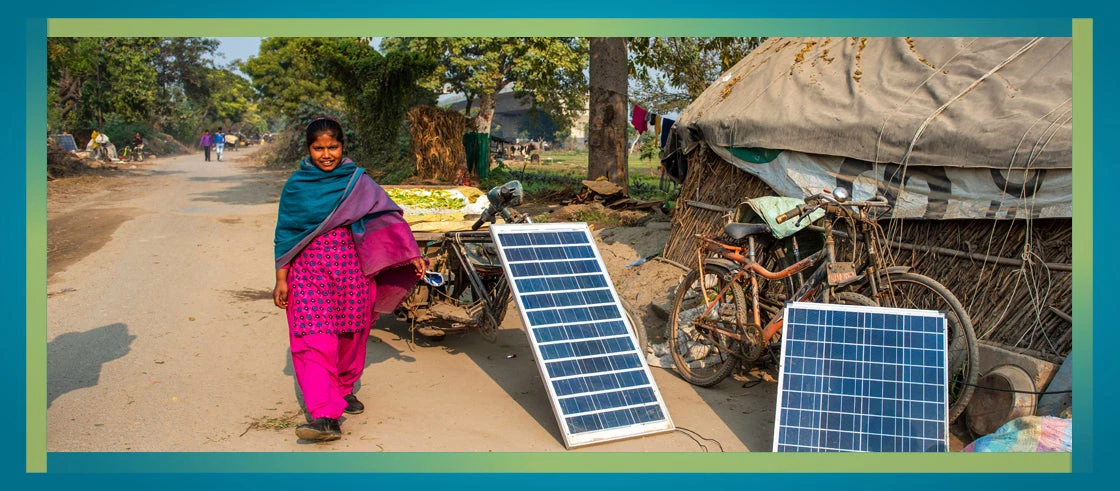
(74, 360)
(517, 376)
(745, 408)
(253, 188)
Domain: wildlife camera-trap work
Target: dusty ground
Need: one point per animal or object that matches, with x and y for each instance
(162, 335)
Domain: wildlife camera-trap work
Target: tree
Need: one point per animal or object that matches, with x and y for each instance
(377, 90)
(607, 112)
(345, 77)
(133, 83)
(546, 71)
(286, 73)
(93, 77)
(231, 96)
(695, 62)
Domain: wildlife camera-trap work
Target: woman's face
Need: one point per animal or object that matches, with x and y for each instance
(326, 152)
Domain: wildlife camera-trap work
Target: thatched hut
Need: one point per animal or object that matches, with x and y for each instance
(970, 138)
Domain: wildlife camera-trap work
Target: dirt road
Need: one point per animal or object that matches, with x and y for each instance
(163, 337)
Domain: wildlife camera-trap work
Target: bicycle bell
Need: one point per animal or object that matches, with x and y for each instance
(841, 194)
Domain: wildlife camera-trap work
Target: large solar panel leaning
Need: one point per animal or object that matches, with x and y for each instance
(862, 379)
(597, 379)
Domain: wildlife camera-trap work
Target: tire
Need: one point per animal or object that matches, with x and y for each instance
(491, 320)
(638, 325)
(696, 357)
(916, 291)
(853, 298)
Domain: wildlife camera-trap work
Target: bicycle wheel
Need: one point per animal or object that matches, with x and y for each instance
(492, 318)
(853, 298)
(637, 324)
(701, 355)
(916, 291)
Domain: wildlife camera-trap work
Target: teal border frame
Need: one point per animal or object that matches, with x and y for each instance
(39, 461)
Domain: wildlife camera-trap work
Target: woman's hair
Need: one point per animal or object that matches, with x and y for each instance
(324, 125)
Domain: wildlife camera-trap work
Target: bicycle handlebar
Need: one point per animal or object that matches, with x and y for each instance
(789, 214)
(821, 199)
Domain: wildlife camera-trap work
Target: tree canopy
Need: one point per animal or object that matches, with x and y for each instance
(119, 85)
(346, 78)
(671, 72)
(548, 72)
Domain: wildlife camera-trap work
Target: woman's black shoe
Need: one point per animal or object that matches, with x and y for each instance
(320, 430)
(353, 405)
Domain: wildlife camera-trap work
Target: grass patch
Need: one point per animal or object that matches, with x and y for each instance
(597, 216)
(285, 421)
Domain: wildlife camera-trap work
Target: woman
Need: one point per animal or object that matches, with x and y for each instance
(343, 254)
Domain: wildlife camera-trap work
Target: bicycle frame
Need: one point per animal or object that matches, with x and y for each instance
(487, 300)
(750, 268)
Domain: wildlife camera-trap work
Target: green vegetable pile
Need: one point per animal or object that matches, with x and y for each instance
(437, 199)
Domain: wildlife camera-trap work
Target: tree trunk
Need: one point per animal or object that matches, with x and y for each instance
(607, 112)
(487, 102)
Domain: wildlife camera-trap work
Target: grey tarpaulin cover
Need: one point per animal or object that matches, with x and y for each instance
(975, 113)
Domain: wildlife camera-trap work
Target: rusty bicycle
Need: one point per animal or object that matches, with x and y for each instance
(727, 312)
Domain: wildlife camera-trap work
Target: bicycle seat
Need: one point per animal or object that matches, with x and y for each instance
(739, 231)
(482, 256)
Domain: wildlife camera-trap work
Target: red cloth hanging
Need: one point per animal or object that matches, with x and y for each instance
(639, 119)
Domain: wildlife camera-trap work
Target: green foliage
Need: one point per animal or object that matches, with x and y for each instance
(120, 130)
(548, 72)
(121, 85)
(436, 199)
(376, 90)
(600, 217)
(345, 78)
(534, 183)
(647, 188)
(95, 77)
(671, 72)
(649, 146)
(231, 96)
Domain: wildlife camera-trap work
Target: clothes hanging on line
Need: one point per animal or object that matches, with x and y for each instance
(639, 119)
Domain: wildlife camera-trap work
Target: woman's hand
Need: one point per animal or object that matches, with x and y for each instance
(280, 292)
(420, 264)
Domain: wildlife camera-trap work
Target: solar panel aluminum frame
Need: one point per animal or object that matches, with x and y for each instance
(869, 310)
(590, 437)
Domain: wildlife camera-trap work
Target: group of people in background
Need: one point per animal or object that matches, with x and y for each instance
(216, 140)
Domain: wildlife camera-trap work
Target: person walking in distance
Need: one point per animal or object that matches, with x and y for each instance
(344, 254)
(205, 143)
(219, 143)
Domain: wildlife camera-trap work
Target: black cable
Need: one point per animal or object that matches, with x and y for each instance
(689, 433)
(1013, 390)
(751, 383)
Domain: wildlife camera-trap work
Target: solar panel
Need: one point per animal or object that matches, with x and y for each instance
(596, 376)
(66, 143)
(862, 379)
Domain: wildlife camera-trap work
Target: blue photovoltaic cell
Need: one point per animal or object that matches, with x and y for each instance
(860, 379)
(587, 355)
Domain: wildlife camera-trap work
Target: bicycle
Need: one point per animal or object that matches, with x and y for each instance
(132, 153)
(710, 333)
(897, 286)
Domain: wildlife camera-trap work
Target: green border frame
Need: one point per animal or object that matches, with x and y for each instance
(38, 458)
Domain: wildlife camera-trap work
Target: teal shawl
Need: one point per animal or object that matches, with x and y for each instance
(309, 197)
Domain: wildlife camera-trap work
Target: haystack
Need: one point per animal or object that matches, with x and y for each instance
(437, 143)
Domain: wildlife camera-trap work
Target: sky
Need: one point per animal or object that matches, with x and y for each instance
(236, 49)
